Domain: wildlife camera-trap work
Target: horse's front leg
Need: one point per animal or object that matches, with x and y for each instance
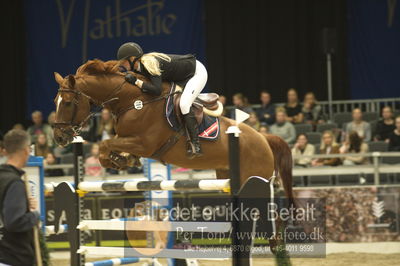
(120, 153)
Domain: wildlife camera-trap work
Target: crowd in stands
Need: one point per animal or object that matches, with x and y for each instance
(300, 123)
(297, 121)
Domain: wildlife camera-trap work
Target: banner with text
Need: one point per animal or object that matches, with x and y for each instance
(62, 34)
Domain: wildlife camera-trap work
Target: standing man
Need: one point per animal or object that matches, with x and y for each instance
(18, 215)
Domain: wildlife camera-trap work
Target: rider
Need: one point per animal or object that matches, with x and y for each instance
(158, 67)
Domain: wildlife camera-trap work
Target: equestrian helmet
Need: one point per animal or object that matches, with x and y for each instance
(129, 49)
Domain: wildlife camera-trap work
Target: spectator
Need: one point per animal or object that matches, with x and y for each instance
(92, 164)
(19, 214)
(18, 126)
(41, 146)
(222, 99)
(106, 126)
(293, 107)
(51, 160)
(240, 102)
(385, 126)
(266, 113)
(311, 109)
(51, 119)
(394, 137)
(3, 157)
(302, 147)
(39, 127)
(253, 121)
(264, 129)
(362, 128)
(282, 128)
(328, 146)
(354, 144)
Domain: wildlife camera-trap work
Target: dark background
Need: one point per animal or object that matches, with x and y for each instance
(274, 45)
(254, 45)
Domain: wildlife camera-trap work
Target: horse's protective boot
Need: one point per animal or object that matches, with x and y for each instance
(193, 147)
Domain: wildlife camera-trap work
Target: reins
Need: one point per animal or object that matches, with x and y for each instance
(77, 127)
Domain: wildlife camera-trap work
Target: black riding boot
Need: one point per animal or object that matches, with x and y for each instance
(193, 147)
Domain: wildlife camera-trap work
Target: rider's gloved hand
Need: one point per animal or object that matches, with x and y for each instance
(130, 78)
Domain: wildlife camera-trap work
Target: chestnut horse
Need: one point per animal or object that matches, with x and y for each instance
(141, 132)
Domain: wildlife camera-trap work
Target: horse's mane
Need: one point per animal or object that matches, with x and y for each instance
(97, 66)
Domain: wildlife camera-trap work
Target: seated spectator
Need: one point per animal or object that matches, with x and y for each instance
(18, 126)
(263, 129)
(293, 107)
(51, 160)
(354, 144)
(362, 128)
(240, 102)
(39, 127)
(3, 157)
(105, 129)
(328, 146)
(253, 121)
(311, 109)
(266, 113)
(51, 119)
(385, 126)
(222, 99)
(394, 137)
(41, 146)
(92, 164)
(282, 127)
(302, 147)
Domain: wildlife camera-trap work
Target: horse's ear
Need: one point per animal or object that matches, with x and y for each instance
(71, 81)
(58, 78)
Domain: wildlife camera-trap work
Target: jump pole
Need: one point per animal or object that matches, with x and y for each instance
(234, 172)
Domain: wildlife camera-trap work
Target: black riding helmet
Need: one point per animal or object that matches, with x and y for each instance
(129, 49)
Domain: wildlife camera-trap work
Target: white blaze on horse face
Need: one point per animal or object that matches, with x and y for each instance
(58, 102)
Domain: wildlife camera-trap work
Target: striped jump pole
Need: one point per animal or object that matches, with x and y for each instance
(140, 185)
(79, 172)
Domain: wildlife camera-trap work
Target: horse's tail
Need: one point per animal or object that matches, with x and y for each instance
(283, 164)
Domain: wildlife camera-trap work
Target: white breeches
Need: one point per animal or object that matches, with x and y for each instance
(193, 88)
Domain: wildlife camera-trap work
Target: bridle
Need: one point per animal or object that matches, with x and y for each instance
(75, 127)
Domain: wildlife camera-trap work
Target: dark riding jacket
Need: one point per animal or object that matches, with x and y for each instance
(16, 221)
(179, 70)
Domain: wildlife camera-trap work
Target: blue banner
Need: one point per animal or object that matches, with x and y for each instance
(63, 34)
(374, 48)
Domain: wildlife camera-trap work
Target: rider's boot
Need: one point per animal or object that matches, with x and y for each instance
(193, 147)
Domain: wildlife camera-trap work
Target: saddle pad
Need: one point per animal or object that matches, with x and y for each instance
(208, 128)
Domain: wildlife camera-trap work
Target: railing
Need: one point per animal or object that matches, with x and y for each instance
(339, 106)
(375, 168)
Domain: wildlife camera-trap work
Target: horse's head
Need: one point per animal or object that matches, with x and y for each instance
(72, 110)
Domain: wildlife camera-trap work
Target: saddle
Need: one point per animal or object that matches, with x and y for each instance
(205, 103)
